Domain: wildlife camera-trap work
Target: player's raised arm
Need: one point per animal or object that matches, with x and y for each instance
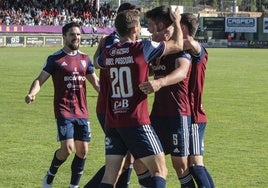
(175, 44)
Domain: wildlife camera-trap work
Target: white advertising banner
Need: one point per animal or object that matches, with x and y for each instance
(2, 42)
(241, 24)
(265, 25)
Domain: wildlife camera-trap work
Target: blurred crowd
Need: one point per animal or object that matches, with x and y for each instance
(46, 12)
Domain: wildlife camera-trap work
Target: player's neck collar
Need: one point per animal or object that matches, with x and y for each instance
(72, 53)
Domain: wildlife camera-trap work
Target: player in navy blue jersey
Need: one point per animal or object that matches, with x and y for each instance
(127, 120)
(196, 86)
(124, 179)
(170, 115)
(69, 68)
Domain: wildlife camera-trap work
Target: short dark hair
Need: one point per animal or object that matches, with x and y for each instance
(125, 6)
(125, 20)
(191, 22)
(67, 26)
(160, 14)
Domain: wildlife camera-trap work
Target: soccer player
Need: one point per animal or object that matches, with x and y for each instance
(69, 68)
(196, 87)
(171, 114)
(123, 181)
(127, 117)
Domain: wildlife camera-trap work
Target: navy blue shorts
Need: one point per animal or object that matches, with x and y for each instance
(197, 138)
(173, 133)
(73, 128)
(140, 141)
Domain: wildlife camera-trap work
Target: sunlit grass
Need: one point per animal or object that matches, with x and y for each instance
(235, 99)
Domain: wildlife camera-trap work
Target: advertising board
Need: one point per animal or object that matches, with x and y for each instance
(241, 24)
(14, 41)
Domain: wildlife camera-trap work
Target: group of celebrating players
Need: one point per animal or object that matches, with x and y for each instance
(133, 135)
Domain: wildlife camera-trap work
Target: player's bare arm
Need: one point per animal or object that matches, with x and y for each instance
(175, 44)
(192, 45)
(36, 86)
(179, 74)
(94, 80)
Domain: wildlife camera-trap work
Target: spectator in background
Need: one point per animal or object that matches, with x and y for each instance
(242, 36)
(233, 35)
(229, 37)
(48, 13)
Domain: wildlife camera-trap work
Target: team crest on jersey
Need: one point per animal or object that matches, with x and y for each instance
(63, 130)
(108, 143)
(83, 63)
(63, 64)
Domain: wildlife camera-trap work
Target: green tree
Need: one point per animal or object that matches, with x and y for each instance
(214, 3)
(253, 7)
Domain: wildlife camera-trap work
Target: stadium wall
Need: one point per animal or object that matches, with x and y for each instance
(35, 40)
(32, 36)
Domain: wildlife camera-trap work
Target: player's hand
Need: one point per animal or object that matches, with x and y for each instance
(29, 98)
(150, 86)
(175, 14)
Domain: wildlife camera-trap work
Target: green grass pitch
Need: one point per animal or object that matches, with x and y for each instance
(235, 98)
